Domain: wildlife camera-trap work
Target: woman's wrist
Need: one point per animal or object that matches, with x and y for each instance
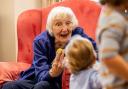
(55, 70)
(52, 74)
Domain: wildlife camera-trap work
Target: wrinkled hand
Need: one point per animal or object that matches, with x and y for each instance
(57, 65)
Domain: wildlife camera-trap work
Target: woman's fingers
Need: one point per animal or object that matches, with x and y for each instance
(61, 60)
(55, 70)
(57, 66)
(62, 56)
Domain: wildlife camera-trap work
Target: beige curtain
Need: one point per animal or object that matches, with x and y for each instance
(46, 3)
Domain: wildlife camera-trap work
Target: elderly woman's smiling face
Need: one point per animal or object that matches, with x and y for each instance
(62, 27)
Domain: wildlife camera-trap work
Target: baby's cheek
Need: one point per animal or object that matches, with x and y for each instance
(69, 69)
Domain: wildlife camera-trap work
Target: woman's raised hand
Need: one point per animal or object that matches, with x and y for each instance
(57, 65)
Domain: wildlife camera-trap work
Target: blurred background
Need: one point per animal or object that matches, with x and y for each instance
(9, 11)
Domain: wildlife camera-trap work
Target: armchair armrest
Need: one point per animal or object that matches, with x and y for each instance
(10, 70)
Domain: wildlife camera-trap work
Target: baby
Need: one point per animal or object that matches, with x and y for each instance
(79, 60)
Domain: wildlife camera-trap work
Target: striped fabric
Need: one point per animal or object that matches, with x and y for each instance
(112, 39)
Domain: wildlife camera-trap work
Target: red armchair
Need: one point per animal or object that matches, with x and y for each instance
(31, 22)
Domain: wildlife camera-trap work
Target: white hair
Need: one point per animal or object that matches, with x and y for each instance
(56, 11)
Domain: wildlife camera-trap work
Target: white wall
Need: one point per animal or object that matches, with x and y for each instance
(96, 0)
(7, 34)
(9, 11)
(22, 5)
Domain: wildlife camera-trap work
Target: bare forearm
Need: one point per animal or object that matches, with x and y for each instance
(118, 66)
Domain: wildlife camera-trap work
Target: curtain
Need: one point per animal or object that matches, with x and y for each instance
(46, 3)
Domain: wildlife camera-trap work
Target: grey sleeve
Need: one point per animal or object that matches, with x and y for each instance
(95, 81)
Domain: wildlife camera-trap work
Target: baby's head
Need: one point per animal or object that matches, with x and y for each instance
(79, 54)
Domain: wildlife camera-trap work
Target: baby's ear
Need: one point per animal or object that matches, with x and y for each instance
(93, 59)
(95, 54)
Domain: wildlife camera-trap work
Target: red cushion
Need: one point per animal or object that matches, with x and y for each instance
(10, 70)
(65, 79)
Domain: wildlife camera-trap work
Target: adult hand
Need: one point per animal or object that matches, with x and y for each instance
(57, 65)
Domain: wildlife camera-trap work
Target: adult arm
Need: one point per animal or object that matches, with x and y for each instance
(95, 80)
(45, 68)
(109, 52)
(41, 62)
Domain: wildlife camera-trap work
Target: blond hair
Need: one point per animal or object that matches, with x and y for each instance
(80, 54)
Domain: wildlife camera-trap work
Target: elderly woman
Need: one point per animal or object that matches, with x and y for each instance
(46, 69)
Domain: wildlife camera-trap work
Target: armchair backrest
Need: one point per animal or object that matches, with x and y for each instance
(28, 26)
(87, 13)
(32, 22)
